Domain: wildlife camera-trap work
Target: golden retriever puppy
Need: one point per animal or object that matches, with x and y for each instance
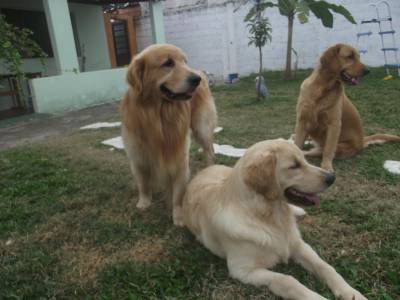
(242, 214)
(326, 114)
(166, 98)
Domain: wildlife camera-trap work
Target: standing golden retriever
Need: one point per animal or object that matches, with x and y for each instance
(242, 214)
(166, 98)
(326, 114)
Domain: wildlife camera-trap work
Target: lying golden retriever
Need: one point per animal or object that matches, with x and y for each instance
(326, 114)
(242, 214)
(166, 98)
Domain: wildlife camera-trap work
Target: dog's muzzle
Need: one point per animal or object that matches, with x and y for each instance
(193, 82)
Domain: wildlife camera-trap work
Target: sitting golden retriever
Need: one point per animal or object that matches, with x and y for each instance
(326, 114)
(242, 214)
(166, 98)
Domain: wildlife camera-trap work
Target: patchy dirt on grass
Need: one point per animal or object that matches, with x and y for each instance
(148, 250)
(333, 235)
(86, 262)
(371, 195)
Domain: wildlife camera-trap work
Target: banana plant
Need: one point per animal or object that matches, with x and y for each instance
(323, 10)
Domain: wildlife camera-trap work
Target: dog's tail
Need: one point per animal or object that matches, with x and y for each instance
(380, 139)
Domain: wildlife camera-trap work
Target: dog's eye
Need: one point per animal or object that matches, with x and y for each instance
(351, 56)
(169, 63)
(295, 166)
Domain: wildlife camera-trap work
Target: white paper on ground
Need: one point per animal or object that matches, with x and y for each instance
(115, 142)
(306, 142)
(218, 129)
(291, 139)
(117, 124)
(101, 125)
(392, 166)
(228, 150)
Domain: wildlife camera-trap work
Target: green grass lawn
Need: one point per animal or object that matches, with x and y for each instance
(69, 228)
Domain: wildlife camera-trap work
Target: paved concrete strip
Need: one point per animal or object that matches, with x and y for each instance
(30, 129)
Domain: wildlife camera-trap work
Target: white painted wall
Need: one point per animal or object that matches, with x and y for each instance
(76, 91)
(213, 42)
(92, 34)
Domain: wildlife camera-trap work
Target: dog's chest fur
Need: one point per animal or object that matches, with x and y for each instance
(269, 236)
(324, 109)
(159, 131)
(282, 229)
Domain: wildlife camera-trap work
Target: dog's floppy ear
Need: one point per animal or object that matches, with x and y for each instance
(260, 175)
(134, 75)
(329, 58)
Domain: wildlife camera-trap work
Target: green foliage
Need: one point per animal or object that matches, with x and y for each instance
(290, 8)
(15, 44)
(321, 9)
(263, 5)
(260, 31)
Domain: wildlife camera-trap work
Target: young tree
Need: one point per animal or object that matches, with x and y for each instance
(260, 33)
(15, 44)
(290, 8)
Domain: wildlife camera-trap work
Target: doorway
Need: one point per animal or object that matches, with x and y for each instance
(121, 44)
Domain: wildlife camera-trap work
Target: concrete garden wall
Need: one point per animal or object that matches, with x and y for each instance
(75, 91)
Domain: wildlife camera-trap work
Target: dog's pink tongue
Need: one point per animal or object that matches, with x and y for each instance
(314, 198)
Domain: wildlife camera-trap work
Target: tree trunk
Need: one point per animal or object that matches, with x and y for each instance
(288, 70)
(259, 74)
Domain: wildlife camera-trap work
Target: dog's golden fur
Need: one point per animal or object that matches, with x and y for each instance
(326, 114)
(165, 100)
(241, 214)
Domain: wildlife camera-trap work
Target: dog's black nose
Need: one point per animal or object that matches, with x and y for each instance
(330, 178)
(366, 71)
(194, 80)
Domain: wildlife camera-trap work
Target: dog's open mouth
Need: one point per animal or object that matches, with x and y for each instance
(170, 95)
(346, 77)
(301, 198)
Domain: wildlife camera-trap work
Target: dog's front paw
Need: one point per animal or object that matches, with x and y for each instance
(351, 294)
(327, 166)
(177, 216)
(143, 203)
(298, 212)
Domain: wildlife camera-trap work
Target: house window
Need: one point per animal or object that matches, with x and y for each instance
(33, 20)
